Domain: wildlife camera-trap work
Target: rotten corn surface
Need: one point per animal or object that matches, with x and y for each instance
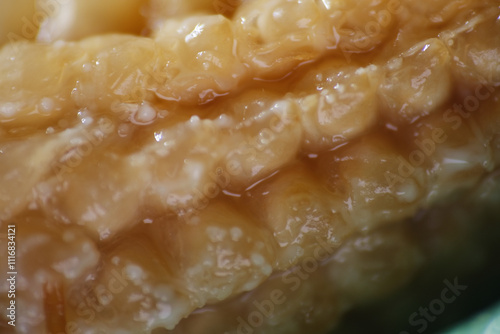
(197, 161)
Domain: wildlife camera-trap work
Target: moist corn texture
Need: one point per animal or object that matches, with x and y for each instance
(172, 163)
